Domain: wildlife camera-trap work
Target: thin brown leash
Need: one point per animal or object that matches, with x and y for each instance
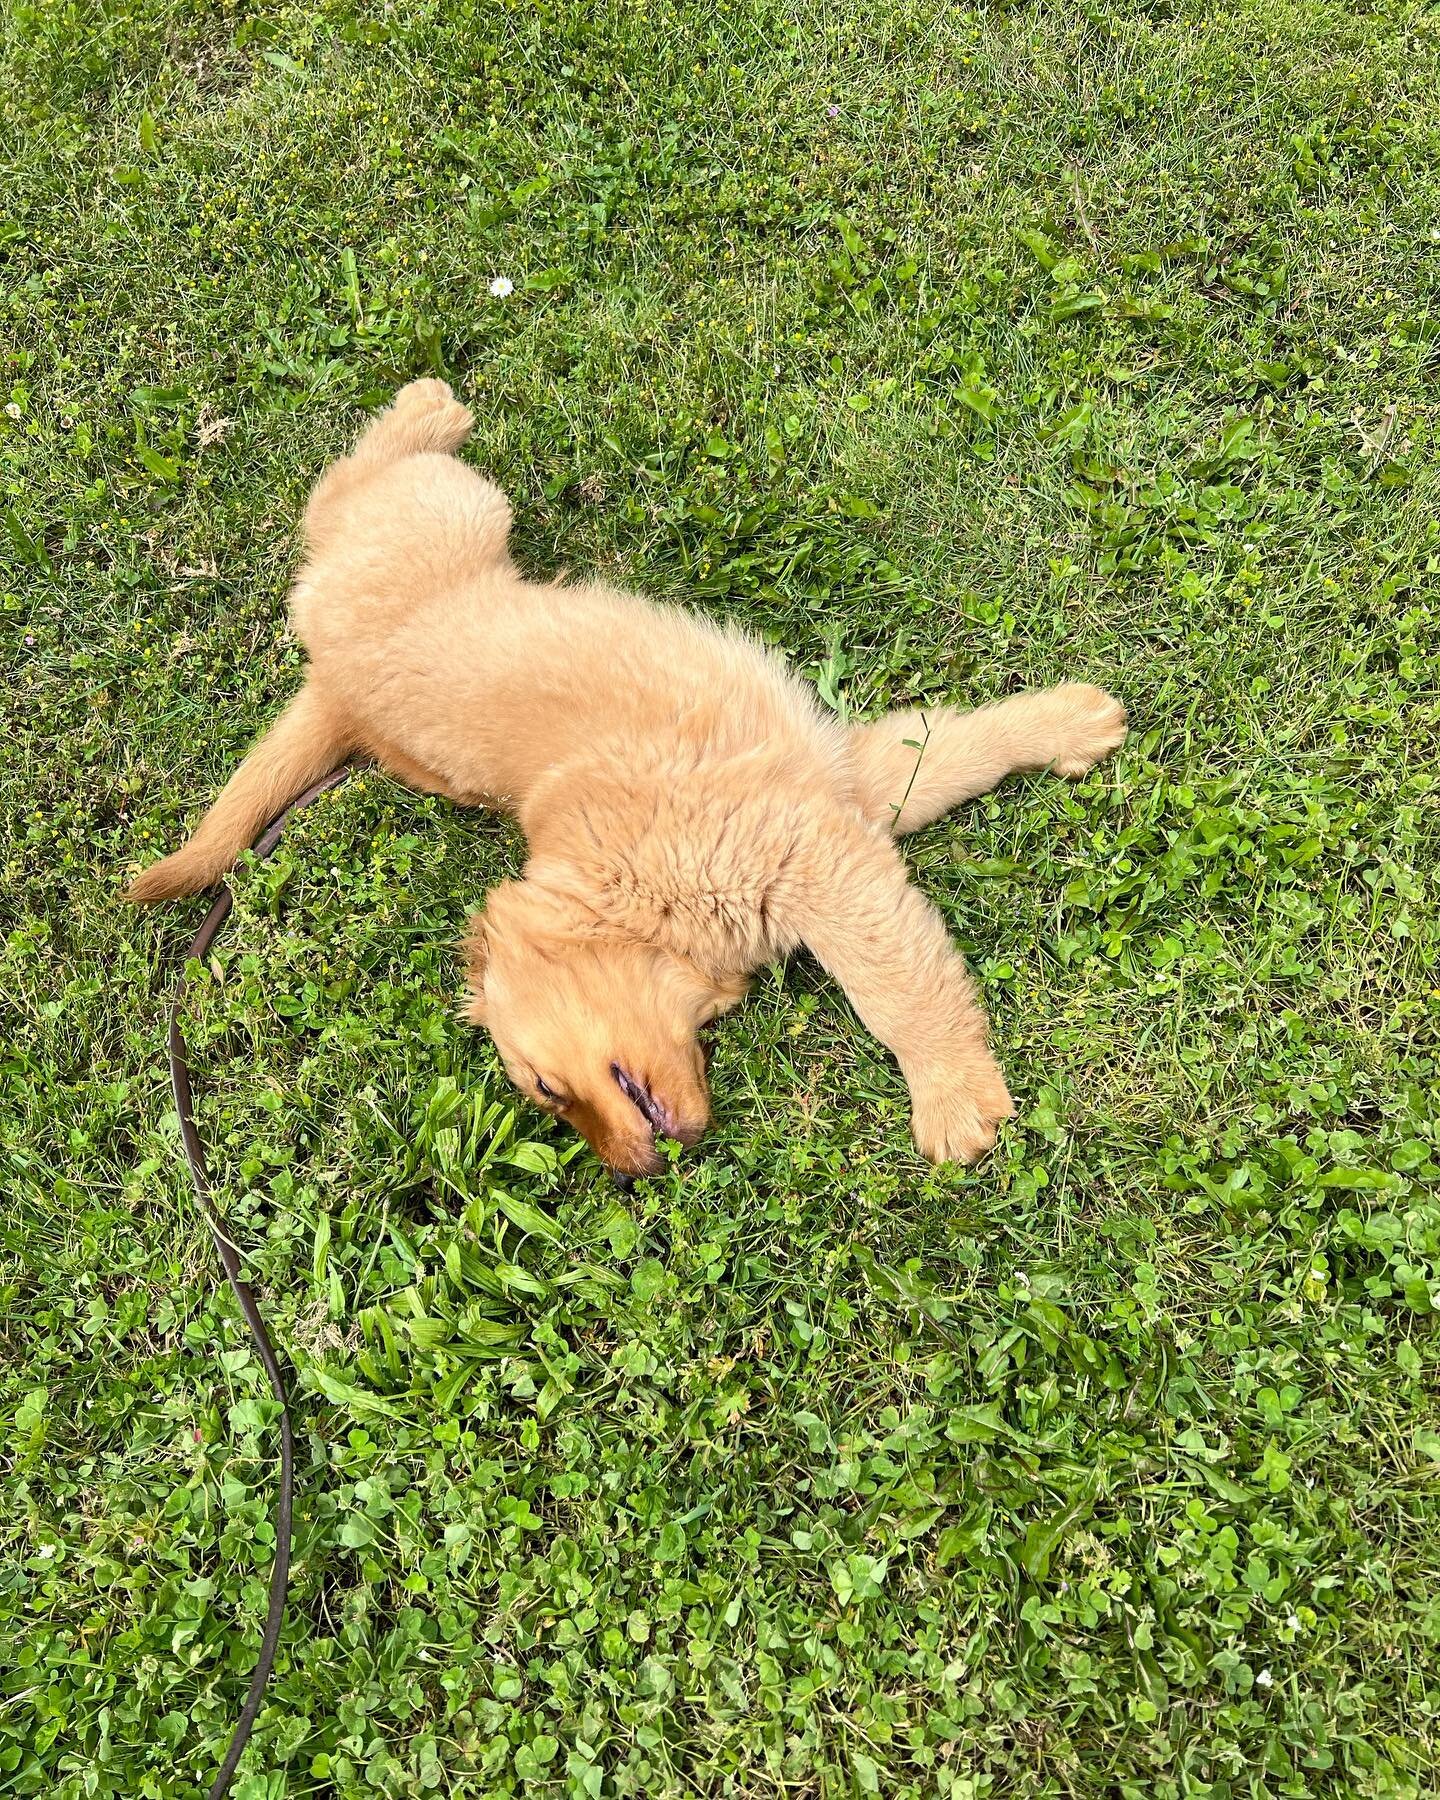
(244, 1294)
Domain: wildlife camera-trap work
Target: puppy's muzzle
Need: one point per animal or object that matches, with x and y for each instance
(659, 1117)
(649, 1108)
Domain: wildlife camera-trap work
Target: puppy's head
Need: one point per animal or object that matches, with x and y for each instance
(597, 1029)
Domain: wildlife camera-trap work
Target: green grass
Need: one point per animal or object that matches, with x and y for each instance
(954, 349)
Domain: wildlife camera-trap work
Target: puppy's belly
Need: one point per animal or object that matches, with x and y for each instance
(418, 775)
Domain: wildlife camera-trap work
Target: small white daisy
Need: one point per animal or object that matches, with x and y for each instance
(501, 286)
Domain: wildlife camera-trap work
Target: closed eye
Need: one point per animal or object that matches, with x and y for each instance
(546, 1092)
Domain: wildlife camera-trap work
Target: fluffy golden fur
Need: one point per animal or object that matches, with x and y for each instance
(692, 813)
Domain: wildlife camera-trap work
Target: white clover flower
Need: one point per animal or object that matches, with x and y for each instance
(501, 286)
(1264, 1679)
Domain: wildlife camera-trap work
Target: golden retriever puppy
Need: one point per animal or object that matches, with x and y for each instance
(692, 812)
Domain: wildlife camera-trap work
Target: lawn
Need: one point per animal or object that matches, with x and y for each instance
(954, 349)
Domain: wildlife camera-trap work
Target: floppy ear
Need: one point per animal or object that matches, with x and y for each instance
(512, 911)
(475, 949)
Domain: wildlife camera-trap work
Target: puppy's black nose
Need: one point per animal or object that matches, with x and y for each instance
(623, 1181)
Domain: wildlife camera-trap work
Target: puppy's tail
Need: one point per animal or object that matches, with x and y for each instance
(308, 739)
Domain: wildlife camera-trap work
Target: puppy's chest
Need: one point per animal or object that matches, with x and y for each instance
(708, 879)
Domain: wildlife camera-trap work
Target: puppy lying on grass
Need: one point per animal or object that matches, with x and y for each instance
(691, 811)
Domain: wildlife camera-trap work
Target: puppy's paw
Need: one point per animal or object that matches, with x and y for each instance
(433, 415)
(1090, 725)
(426, 395)
(955, 1112)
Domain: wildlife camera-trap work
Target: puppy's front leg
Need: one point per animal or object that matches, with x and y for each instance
(857, 910)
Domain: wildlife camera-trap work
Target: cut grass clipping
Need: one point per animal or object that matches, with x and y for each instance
(954, 350)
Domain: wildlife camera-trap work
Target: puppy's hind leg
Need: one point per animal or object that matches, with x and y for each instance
(913, 767)
(424, 417)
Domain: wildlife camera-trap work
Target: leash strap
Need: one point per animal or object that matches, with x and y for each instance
(244, 1294)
